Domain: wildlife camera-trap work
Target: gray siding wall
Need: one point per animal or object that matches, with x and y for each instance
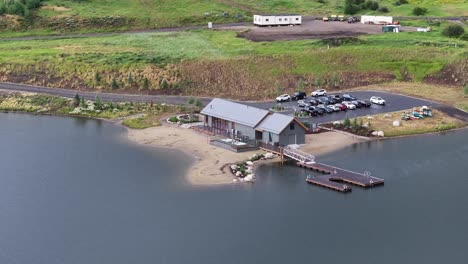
(274, 137)
(245, 131)
(298, 132)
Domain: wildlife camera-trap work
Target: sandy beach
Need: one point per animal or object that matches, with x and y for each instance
(210, 160)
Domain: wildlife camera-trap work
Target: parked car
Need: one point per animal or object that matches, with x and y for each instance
(334, 107)
(302, 103)
(348, 97)
(320, 111)
(349, 105)
(298, 96)
(365, 103)
(342, 107)
(319, 92)
(325, 108)
(338, 97)
(332, 100)
(316, 110)
(356, 103)
(313, 102)
(323, 100)
(377, 100)
(311, 111)
(352, 20)
(283, 98)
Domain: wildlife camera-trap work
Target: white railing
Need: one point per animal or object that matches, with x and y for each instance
(298, 155)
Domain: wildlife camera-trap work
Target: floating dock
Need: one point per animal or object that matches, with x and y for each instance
(337, 178)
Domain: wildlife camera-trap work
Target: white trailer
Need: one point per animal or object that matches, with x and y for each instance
(277, 20)
(378, 20)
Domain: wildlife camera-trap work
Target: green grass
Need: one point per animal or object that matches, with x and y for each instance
(140, 122)
(158, 56)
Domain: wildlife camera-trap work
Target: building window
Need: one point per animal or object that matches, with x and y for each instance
(270, 138)
(297, 18)
(291, 126)
(280, 19)
(267, 20)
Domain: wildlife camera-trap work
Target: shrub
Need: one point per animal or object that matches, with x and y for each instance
(31, 4)
(403, 2)
(347, 123)
(114, 84)
(419, 11)
(3, 9)
(16, 9)
(351, 9)
(174, 119)
(164, 84)
(384, 9)
(198, 103)
(191, 101)
(372, 5)
(453, 31)
(464, 37)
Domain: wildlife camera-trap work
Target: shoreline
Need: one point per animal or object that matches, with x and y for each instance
(210, 163)
(210, 166)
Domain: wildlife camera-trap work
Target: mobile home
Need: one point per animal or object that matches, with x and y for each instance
(277, 20)
(378, 20)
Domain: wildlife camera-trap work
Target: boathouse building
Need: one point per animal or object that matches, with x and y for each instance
(244, 121)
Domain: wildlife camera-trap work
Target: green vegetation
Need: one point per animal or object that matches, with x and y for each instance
(217, 63)
(61, 16)
(148, 115)
(419, 11)
(439, 122)
(453, 31)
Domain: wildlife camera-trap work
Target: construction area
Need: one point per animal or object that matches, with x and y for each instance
(311, 29)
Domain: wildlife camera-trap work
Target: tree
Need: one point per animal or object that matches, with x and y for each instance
(145, 83)
(97, 77)
(114, 84)
(82, 102)
(419, 11)
(164, 84)
(76, 100)
(3, 9)
(32, 4)
(191, 101)
(453, 31)
(300, 85)
(198, 103)
(16, 9)
(347, 122)
(129, 78)
(97, 103)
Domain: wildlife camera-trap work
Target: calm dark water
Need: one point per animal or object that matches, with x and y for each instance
(74, 191)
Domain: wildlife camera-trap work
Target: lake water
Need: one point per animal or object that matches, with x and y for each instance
(75, 191)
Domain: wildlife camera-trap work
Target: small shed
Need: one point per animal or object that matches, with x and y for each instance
(282, 130)
(277, 20)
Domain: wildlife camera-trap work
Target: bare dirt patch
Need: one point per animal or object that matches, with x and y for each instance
(312, 29)
(56, 8)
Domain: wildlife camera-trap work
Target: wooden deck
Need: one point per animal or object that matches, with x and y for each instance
(336, 178)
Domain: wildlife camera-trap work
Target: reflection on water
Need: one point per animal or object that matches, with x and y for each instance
(71, 191)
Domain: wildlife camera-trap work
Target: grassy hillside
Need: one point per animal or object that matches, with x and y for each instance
(58, 16)
(217, 63)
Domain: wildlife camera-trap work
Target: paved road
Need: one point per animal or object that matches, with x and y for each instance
(108, 97)
(394, 102)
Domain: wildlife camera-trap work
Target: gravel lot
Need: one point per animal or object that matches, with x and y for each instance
(312, 29)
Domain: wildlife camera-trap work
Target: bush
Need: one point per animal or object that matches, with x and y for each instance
(372, 5)
(464, 37)
(16, 9)
(32, 4)
(419, 11)
(384, 9)
(403, 2)
(347, 123)
(174, 119)
(3, 9)
(351, 9)
(453, 31)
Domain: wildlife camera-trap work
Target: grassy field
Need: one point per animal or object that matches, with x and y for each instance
(61, 16)
(217, 63)
(453, 96)
(439, 122)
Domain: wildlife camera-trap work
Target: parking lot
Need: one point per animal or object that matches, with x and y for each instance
(394, 102)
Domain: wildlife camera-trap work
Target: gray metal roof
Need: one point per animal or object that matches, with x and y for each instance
(275, 123)
(235, 112)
